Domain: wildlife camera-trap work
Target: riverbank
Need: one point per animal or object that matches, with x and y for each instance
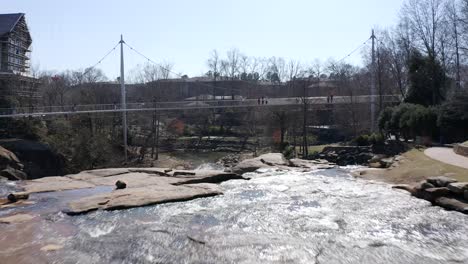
(297, 215)
(413, 167)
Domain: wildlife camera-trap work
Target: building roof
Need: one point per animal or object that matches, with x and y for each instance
(8, 22)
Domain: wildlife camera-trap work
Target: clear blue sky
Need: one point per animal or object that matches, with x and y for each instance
(73, 34)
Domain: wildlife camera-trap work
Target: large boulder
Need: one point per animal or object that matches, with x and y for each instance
(432, 194)
(9, 159)
(264, 161)
(39, 160)
(452, 204)
(311, 164)
(425, 185)
(347, 155)
(13, 174)
(458, 187)
(441, 181)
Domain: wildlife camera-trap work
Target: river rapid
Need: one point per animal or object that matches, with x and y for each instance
(276, 217)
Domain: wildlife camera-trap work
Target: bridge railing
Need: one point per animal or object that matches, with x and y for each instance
(193, 104)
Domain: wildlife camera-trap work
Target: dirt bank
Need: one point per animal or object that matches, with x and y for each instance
(413, 167)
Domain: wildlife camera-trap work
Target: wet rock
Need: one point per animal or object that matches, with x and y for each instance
(377, 158)
(405, 187)
(51, 247)
(387, 163)
(206, 176)
(425, 185)
(432, 194)
(274, 159)
(90, 174)
(13, 174)
(229, 161)
(14, 197)
(452, 204)
(133, 188)
(120, 185)
(465, 195)
(9, 159)
(181, 173)
(311, 164)
(39, 159)
(441, 181)
(144, 196)
(157, 171)
(264, 161)
(16, 219)
(458, 188)
(348, 155)
(53, 184)
(376, 165)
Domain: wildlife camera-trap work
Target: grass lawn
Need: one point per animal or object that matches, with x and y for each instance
(416, 167)
(318, 148)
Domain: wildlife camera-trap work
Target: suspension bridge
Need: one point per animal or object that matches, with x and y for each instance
(125, 108)
(269, 103)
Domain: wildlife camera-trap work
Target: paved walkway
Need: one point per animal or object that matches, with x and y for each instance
(446, 155)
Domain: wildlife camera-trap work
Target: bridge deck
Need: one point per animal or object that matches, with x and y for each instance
(186, 105)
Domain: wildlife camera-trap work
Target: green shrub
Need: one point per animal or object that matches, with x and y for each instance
(288, 151)
(409, 121)
(376, 139)
(367, 140)
(362, 140)
(453, 117)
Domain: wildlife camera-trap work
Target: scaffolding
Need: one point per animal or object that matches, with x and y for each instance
(15, 49)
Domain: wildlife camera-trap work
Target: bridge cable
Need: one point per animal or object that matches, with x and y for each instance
(101, 60)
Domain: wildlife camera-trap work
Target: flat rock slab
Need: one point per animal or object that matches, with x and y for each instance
(143, 196)
(203, 176)
(143, 187)
(312, 164)
(54, 184)
(133, 180)
(16, 219)
(264, 161)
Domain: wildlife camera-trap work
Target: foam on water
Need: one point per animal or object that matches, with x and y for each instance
(276, 217)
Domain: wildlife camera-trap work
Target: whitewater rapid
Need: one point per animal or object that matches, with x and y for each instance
(276, 217)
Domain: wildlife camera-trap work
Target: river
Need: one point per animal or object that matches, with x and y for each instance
(277, 217)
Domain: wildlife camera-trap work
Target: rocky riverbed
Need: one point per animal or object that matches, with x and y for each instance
(280, 212)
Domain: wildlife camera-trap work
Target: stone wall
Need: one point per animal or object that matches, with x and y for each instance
(461, 150)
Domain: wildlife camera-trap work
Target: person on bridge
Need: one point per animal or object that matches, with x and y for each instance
(258, 101)
(331, 98)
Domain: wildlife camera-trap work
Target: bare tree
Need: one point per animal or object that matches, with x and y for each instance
(294, 68)
(233, 64)
(426, 18)
(214, 64)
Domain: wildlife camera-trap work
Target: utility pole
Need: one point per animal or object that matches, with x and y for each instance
(124, 96)
(373, 91)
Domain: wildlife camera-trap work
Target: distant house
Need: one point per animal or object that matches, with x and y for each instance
(17, 88)
(15, 43)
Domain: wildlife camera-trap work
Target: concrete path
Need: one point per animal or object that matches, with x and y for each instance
(446, 155)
